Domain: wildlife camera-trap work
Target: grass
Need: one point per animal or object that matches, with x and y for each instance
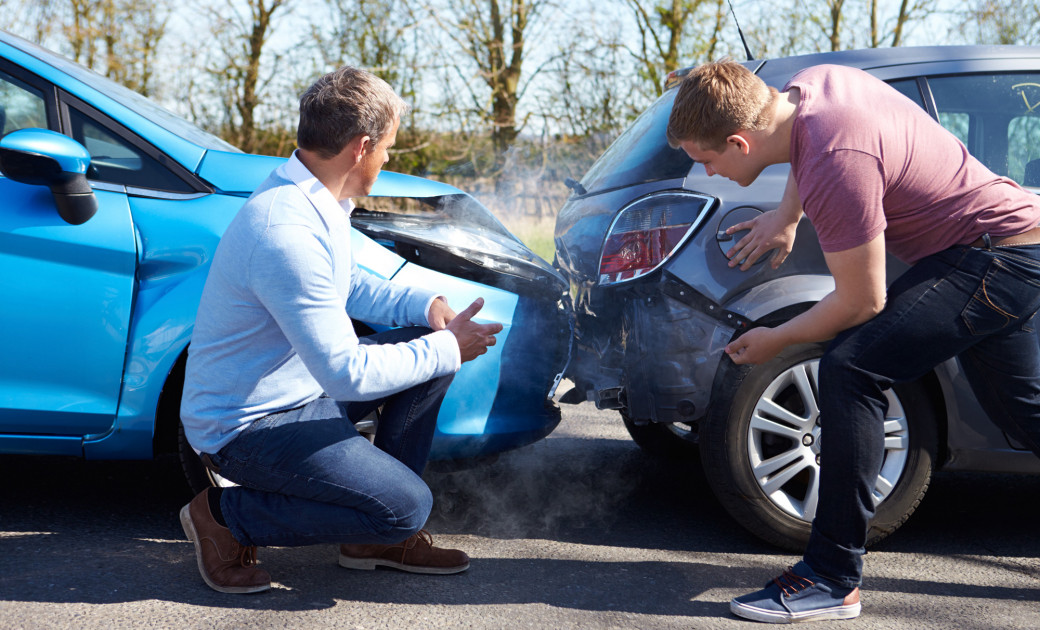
(536, 233)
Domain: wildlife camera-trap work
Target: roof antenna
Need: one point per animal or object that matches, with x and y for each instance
(747, 50)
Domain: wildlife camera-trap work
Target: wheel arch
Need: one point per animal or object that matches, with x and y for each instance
(168, 407)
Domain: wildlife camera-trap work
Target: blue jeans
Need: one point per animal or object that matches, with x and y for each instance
(306, 476)
(976, 304)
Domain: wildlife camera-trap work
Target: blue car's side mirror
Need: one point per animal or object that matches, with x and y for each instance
(47, 158)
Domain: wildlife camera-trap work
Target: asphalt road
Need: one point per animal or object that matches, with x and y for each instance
(578, 531)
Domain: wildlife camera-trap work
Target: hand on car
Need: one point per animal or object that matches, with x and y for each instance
(756, 346)
(473, 338)
(769, 231)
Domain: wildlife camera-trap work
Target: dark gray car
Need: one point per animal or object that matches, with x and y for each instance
(642, 243)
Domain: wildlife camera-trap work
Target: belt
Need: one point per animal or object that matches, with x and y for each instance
(1032, 237)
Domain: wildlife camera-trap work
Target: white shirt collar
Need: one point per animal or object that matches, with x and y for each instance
(316, 192)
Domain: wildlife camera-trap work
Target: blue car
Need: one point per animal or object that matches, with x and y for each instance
(111, 210)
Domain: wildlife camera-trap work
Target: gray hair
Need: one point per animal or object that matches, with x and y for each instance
(343, 105)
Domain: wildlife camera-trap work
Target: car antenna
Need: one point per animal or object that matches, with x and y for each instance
(740, 31)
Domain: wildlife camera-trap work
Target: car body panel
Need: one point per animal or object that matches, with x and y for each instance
(236, 173)
(630, 338)
(61, 375)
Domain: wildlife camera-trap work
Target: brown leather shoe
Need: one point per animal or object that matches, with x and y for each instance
(225, 565)
(415, 555)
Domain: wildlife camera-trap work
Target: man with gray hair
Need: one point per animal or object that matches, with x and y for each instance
(276, 375)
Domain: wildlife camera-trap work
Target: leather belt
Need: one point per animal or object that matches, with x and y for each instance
(1032, 237)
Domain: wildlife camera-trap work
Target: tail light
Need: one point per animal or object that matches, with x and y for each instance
(646, 233)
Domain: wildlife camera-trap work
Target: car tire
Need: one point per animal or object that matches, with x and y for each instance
(780, 514)
(661, 439)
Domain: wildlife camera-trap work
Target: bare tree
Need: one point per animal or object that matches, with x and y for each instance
(134, 32)
(118, 38)
(908, 12)
(372, 34)
(801, 26)
(1002, 22)
(241, 30)
(829, 22)
(674, 33)
(493, 35)
(382, 36)
(33, 19)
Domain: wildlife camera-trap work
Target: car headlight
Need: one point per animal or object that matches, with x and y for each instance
(647, 232)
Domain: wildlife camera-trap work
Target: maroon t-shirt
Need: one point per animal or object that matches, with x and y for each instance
(869, 160)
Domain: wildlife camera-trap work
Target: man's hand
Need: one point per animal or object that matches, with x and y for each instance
(473, 338)
(768, 231)
(440, 314)
(756, 346)
(773, 230)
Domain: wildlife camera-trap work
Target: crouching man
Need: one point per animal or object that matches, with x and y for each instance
(276, 375)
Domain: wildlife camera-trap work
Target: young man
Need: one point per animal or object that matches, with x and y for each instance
(276, 375)
(873, 173)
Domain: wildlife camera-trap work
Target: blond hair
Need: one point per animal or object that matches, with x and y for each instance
(716, 100)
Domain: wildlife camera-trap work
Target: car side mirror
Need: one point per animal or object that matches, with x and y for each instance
(46, 158)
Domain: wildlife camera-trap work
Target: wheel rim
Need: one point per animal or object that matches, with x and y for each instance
(784, 442)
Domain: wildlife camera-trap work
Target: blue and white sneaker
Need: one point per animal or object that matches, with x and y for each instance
(798, 595)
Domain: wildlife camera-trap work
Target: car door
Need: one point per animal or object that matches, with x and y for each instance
(67, 293)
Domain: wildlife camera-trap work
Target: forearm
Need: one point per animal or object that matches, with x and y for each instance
(824, 320)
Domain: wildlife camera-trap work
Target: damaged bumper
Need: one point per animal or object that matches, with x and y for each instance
(654, 355)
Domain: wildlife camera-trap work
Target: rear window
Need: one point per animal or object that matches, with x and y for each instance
(641, 153)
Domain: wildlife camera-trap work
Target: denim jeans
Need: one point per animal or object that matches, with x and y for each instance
(306, 476)
(976, 304)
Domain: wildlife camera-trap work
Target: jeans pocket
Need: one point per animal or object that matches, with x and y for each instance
(1005, 297)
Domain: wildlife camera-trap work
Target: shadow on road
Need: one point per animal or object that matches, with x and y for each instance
(103, 532)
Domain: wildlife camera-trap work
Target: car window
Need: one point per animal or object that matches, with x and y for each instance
(115, 160)
(909, 89)
(1024, 149)
(21, 105)
(997, 116)
(641, 153)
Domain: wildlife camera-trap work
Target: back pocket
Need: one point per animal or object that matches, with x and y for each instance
(1004, 298)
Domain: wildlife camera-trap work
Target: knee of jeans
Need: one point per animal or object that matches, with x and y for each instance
(833, 363)
(413, 511)
(838, 370)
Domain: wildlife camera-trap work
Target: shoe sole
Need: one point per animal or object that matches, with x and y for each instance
(370, 564)
(189, 531)
(753, 613)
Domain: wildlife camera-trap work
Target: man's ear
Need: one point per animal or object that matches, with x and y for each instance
(740, 141)
(358, 147)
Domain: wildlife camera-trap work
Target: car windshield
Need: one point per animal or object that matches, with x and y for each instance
(641, 153)
(125, 96)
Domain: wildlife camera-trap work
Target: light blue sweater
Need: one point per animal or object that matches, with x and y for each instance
(273, 331)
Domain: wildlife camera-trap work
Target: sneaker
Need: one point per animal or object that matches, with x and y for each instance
(798, 595)
(225, 565)
(415, 555)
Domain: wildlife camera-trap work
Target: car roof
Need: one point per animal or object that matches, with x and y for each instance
(873, 58)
